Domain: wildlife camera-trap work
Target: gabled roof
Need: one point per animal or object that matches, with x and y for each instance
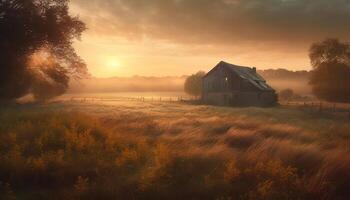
(246, 73)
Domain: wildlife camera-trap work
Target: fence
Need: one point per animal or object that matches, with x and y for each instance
(320, 106)
(308, 106)
(305, 105)
(332, 109)
(139, 99)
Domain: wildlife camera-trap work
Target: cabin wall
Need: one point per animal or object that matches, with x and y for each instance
(222, 87)
(240, 98)
(223, 80)
(265, 98)
(220, 80)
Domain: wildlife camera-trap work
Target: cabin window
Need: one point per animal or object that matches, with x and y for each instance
(226, 82)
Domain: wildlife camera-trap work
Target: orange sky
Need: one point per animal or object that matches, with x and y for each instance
(177, 37)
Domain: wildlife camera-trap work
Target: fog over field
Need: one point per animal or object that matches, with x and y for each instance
(279, 79)
(128, 84)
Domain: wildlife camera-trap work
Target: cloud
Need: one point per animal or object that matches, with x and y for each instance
(182, 36)
(218, 21)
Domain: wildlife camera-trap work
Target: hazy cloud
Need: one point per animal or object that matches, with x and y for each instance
(170, 37)
(218, 21)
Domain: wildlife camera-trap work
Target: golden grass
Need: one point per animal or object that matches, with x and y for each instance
(135, 150)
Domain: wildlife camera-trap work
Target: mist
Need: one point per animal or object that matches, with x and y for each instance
(279, 79)
(128, 84)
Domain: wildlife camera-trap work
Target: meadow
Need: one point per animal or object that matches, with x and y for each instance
(163, 150)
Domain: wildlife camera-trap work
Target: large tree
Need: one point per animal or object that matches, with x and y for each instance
(331, 70)
(36, 53)
(193, 84)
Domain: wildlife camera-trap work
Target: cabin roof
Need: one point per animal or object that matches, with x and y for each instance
(246, 73)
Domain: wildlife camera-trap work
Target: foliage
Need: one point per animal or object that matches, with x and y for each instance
(36, 42)
(270, 74)
(331, 65)
(193, 84)
(53, 83)
(270, 180)
(193, 152)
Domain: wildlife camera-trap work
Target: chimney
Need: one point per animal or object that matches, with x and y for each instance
(254, 69)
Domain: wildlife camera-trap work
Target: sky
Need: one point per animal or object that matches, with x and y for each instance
(179, 37)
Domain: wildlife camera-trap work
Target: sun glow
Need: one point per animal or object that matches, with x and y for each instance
(112, 63)
(110, 67)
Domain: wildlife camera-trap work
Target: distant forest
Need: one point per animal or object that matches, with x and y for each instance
(284, 74)
(278, 78)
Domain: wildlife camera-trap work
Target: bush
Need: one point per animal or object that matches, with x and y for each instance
(270, 180)
(193, 84)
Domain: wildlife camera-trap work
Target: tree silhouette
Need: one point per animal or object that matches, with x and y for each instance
(29, 27)
(193, 84)
(331, 69)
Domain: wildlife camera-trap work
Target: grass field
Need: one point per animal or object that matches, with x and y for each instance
(158, 150)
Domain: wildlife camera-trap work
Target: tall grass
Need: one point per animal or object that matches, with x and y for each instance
(171, 151)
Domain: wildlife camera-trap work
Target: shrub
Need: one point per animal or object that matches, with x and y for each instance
(270, 180)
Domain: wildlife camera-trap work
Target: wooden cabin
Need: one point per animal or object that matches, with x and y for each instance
(233, 85)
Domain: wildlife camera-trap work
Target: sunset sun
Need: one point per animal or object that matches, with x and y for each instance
(112, 63)
(110, 67)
